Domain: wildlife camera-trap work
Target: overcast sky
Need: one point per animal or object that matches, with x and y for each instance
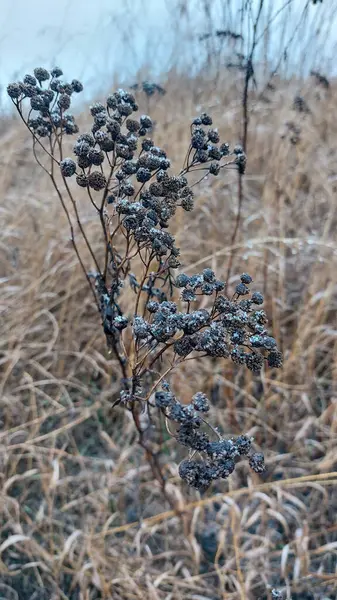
(82, 36)
(91, 39)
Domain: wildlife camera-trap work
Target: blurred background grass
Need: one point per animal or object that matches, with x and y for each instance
(80, 516)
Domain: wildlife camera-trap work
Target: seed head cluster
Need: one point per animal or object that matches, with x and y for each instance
(217, 459)
(49, 97)
(142, 192)
(229, 328)
(206, 148)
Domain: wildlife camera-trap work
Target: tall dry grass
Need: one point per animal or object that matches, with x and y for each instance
(81, 517)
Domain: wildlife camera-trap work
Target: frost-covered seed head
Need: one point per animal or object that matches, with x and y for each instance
(163, 399)
(29, 90)
(88, 138)
(187, 203)
(145, 122)
(206, 119)
(214, 152)
(77, 86)
(14, 90)
(196, 474)
(200, 402)
(147, 144)
(68, 167)
(214, 169)
(96, 108)
(243, 444)
(224, 149)
(245, 278)
(41, 74)
(30, 80)
(225, 468)
(64, 101)
(213, 136)
(96, 157)
(56, 72)
(254, 362)
(100, 119)
(241, 289)
(257, 298)
(132, 125)
(256, 462)
(120, 322)
(82, 180)
(182, 280)
(140, 328)
(275, 359)
(143, 175)
(97, 180)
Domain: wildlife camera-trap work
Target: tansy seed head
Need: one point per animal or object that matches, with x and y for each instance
(68, 167)
(97, 180)
(41, 74)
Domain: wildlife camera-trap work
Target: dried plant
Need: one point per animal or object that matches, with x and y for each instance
(129, 184)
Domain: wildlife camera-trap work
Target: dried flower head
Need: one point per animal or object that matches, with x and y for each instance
(56, 72)
(14, 90)
(256, 462)
(64, 101)
(41, 74)
(77, 86)
(68, 167)
(97, 180)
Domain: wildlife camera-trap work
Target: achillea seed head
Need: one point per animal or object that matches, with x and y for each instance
(82, 180)
(257, 298)
(64, 101)
(213, 136)
(145, 122)
(275, 359)
(132, 125)
(241, 289)
(200, 402)
(30, 80)
(254, 362)
(14, 90)
(256, 462)
(97, 180)
(206, 119)
(96, 108)
(143, 175)
(77, 86)
(245, 278)
(29, 90)
(68, 167)
(96, 157)
(56, 72)
(41, 74)
(214, 169)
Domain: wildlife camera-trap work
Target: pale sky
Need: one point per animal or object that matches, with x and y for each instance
(94, 39)
(86, 38)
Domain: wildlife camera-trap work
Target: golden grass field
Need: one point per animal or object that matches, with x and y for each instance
(81, 517)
